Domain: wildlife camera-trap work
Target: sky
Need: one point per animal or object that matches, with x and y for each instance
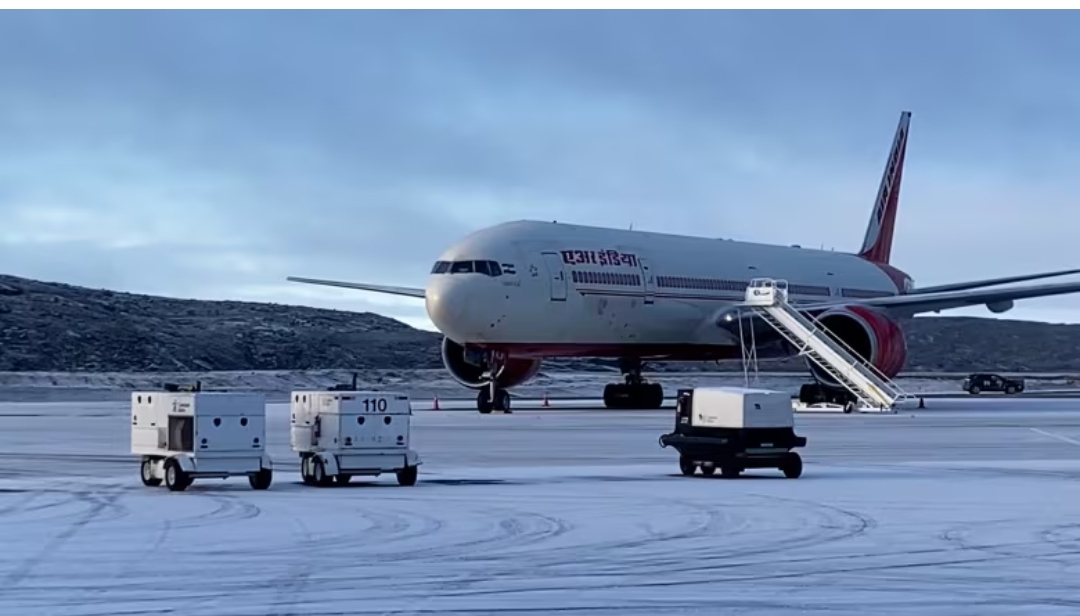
(212, 154)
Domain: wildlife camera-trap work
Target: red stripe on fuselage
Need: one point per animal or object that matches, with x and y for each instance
(674, 351)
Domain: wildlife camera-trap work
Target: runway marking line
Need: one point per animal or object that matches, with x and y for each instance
(1059, 437)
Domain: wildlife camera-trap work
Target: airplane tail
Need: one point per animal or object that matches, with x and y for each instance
(877, 244)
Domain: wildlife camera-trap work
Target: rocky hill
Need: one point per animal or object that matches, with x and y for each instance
(56, 327)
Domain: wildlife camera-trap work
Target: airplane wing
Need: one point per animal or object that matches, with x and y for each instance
(990, 282)
(910, 305)
(377, 288)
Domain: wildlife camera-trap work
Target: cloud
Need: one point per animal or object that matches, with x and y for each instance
(213, 154)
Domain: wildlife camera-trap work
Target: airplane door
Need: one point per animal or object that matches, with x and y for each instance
(647, 282)
(553, 261)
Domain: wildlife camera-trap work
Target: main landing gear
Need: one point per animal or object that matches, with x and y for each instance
(635, 393)
(814, 393)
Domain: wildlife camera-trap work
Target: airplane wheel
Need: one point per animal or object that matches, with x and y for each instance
(483, 401)
(643, 396)
(655, 395)
(618, 396)
(502, 401)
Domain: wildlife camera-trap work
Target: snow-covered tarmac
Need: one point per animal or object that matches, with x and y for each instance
(966, 507)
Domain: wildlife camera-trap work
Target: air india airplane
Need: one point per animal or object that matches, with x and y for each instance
(509, 296)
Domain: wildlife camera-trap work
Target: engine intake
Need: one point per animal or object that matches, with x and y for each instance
(873, 336)
(468, 367)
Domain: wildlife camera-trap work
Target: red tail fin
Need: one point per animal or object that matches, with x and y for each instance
(877, 244)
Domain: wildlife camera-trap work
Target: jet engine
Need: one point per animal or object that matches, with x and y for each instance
(468, 367)
(873, 336)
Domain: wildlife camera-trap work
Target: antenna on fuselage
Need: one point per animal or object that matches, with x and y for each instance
(631, 226)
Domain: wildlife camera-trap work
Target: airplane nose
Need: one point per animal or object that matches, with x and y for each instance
(447, 303)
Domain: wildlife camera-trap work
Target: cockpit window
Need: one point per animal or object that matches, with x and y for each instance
(487, 268)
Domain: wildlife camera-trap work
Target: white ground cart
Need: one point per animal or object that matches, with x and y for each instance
(185, 435)
(344, 433)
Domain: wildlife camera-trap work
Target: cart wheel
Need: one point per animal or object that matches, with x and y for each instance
(262, 479)
(175, 477)
(318, 474)
(792, 467)
(687, 466)
(708, 470)
(407, 476)
(730, 472)
(147, 472)
(305, 471)
(343, 479)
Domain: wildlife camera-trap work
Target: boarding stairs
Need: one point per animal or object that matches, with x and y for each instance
(769, 299)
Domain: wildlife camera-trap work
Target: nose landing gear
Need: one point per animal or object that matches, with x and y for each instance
(491, 398)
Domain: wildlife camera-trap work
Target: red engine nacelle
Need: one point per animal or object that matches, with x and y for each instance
(468, 367)
(872, 335)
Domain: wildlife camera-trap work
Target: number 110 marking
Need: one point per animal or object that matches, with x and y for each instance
(374, 404)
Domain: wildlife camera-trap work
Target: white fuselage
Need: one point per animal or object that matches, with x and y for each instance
(571, 289)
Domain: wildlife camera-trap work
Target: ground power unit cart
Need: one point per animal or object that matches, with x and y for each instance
(734, 429)
(185, 435)
(344, 433)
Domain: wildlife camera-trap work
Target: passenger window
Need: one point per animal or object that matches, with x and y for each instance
(482, 267)
(461, 267)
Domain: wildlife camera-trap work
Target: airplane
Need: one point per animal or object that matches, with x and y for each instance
(509, 296)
